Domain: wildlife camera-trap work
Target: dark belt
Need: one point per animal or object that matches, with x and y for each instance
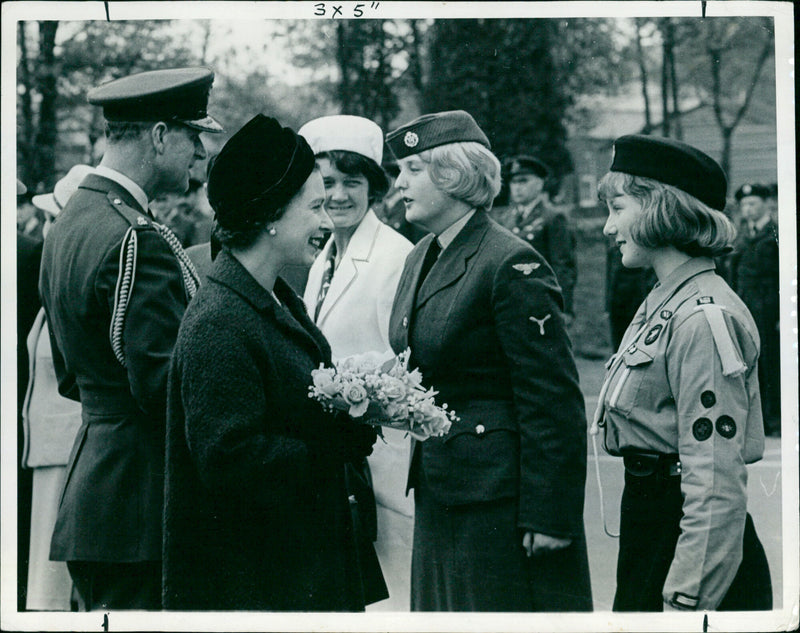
(647, 464)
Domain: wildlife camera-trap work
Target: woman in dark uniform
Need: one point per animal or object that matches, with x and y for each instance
(680, 402)
(499, 499)
(256, 513)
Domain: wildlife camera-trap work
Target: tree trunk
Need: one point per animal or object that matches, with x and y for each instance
(343, 59)
(648, 118)
(673, 79)
(725, 159)
(665, 53)
(27, 128)
(714, 51)
(47, 133)
(415, 63)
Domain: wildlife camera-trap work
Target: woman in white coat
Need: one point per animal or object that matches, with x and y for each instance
(349, 295)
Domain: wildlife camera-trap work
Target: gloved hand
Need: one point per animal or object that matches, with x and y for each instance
(346, 440)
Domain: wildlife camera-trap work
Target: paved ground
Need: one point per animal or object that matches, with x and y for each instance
(764, 503)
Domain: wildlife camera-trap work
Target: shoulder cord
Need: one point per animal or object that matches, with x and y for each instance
(127, 275)
(191, 280)
(125, 279)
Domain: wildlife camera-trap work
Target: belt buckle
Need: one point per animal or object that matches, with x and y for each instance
(641, 464)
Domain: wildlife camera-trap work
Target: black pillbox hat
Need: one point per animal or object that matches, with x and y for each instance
(673, 163)
(432, 130)
(257, 172)
(174, 94)
(528, 165)
(761, 191)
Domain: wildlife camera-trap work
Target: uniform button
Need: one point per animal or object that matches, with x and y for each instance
(405, 321)
(141, 221)
(480, 429)
(117, 201)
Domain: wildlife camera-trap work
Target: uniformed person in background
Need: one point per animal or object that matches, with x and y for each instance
(531, 217)
(115, 284)
(498, 500)
(680, 401)
(755, 277)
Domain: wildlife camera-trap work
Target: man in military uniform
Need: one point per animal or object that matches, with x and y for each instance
(531, 217)
(115, 284)
(754, 276)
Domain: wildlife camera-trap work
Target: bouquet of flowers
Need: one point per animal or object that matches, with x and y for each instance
(380, 389)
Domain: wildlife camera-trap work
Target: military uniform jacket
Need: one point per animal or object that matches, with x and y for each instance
(755, 274)
(685, 382)
(548, 231)
(111, 506)
(487, 332)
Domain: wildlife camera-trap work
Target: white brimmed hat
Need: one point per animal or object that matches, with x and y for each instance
(52, 203)
(345, 132)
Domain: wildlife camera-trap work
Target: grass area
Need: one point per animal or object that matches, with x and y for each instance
(590, 333)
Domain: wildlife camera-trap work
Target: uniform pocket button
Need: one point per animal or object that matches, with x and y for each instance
(480, 429)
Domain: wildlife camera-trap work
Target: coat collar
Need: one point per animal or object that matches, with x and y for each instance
(99, 183)
(227, 271)
(663, 291)
(452, 262)
(359, 251)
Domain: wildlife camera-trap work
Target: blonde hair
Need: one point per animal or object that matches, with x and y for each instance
(466, 171)
(670, 216)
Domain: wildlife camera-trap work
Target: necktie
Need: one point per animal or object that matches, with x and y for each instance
(430, 259)
(327, 275)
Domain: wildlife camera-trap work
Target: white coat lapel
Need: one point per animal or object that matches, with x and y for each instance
(315, 278)
(358, 252)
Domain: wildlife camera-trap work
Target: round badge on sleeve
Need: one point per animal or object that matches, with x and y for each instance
(701, 429)
(411, 139)
(726, 427)
(708, 399)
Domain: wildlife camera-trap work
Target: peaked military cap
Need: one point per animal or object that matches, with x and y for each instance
(762, 191)
(673, 163)
(257, 172)
(432, 130)
(528, 165)
(175, 94)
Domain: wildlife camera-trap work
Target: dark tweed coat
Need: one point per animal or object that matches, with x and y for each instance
(256, 514)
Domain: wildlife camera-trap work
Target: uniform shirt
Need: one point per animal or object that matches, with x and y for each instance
(685, 381)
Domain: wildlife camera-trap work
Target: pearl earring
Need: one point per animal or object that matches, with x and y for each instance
(273, 231)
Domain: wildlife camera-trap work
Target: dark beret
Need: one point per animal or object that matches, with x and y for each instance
(761, 191)
(257, 172)
(527, 165)
(673, 163)
(174, 94)
(432, 130)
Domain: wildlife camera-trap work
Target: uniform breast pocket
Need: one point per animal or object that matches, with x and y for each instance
(631, 375)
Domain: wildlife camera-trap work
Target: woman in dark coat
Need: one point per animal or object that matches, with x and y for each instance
(256, 513)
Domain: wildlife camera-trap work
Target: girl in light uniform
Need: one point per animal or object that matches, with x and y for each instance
(680, 402)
